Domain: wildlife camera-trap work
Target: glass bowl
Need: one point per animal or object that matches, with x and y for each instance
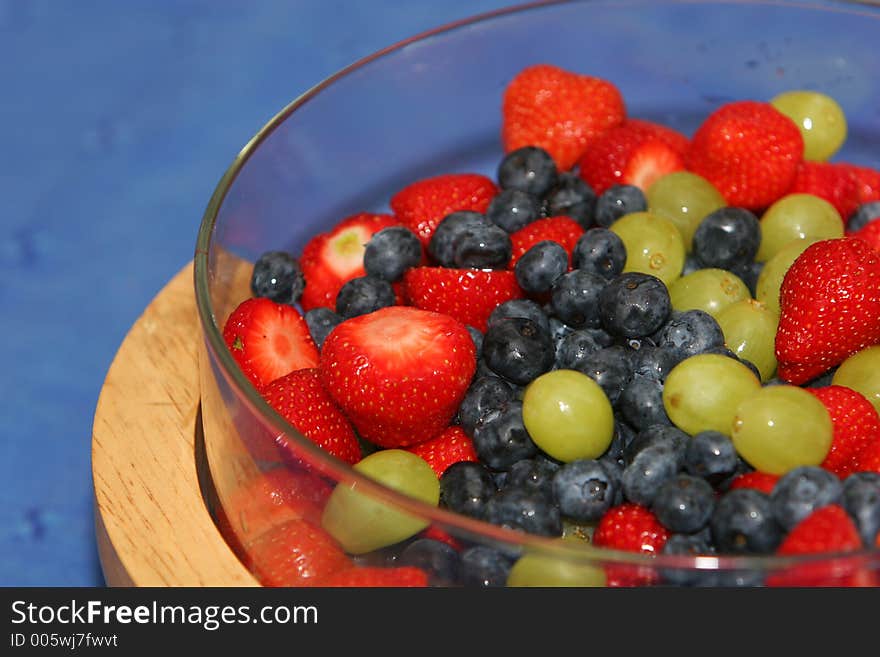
(431, 105)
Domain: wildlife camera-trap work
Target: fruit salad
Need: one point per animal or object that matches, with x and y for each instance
(624, 338)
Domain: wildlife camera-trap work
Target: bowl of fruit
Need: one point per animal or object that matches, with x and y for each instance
(572, 294)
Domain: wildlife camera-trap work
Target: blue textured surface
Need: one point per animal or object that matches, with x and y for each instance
(118, 120)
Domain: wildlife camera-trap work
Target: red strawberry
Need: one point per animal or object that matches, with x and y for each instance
(632, 528)
(634, 153)
(269, 340)
(869, 459)
(330, 259)
(830, 307)
(398, 373)
(762, 481)
(867, 183)
(423, 204)
(301, 400)
(564, 230)
(468, 295)
(366, 576)
(869, 233)
(435, 533)
(826, 530)
(451, 446)
(558, 110)
(833, 182)
(856, 426)
(296, 553)
(749, 151)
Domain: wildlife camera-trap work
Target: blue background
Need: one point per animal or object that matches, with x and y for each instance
(118, 119)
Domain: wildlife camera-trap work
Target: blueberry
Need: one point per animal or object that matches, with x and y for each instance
(822, 380)
(573, 350)
(481, 246)
(572, 197)
(727, 237)
(451, 227)
(500, 437)
(862, 216)
(534, 474)
(641, 402)
(524, 510)
(684, 503)
(513, 209)
(439, 560)
(530, 169)
(392, 251)
(485, 567)
(584, 489)
(653, 362)
(689, 333)
(801, 491)
(523, 308)
(321, 321)
(861, 499)
(278, 277)
(465, 487)
(614, 468)
(363, 295)
(617, 201)
(610, 368)
(634, 305)
(539, 267)
(477, 338)
(687, 545)
(518, 349)
(691, 264)
(657, 434)
(710, 455)
(599, 251)
(649, 469)
(749, 274)
(559, 330)
(575, 298)
(743, 523)
(485, 393)
(623, 435)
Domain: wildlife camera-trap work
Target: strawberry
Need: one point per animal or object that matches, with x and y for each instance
(762, 481)
(371, 577)
(437, 534)
(301, 400)
(331, 259)
(296, 553)
(268, 340)
(867, 183)
(451, 446)
(558, 110)
(749, 151)
(634, 153)
(564, 230)
(398, 373)
(829, 307)
(869, 458)
(833, 182)
(422, 205)
(869, 233)
(632, 528)
(467, 295)
(856, 426)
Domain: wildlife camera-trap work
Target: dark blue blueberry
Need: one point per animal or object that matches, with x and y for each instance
(743, 523)
(571, 197)
(749, 274)
(534, 474)
(440, 560)
(727, 237)
(687, 545)
(822, 380)
(513, 209)
(584, 489)
(653, 362)
(484, 567)
(623, 435)
(477, 337)
(691, 264)
(524, 510)
(684, 503)
(524, 308)
(689, 333)
(482, 246)
(634, 305)
(559, 330)
(711, 455)
(599, 251)
(575, 298)
(392, 251)
(572, 351)
(641, 402)
(530, 169)
(614, 468)
(500, 437)
(485, 394)
(539, 268)
(649, 469)
(861, 499)
(862, 216)
(658, 434)
(363, 295)
(465, 487)
(617, 201)
(518, 349)
(321, 321)
(610, 368)
(451, 227)
(278, 277)
(801, 491)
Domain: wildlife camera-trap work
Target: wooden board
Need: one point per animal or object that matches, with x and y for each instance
(152, 523)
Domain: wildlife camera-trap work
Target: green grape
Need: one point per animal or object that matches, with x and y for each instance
(781, 428)
(770, 278)
(861, 372)
(568, 415)
(749, 329)
(362, 523)
(797, 217)
(819, 118)
(709, 290)
(702, 392)
(653, 245)
(685, 199)
(542, 570)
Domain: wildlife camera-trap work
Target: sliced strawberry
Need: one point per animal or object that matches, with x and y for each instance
(650, 161)
(833, 182)
(467, 295)
(856, 426)
(563, 230)
(269, 340)
(451, 446)
(761, 481)
(371, 577)
(398, 373)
